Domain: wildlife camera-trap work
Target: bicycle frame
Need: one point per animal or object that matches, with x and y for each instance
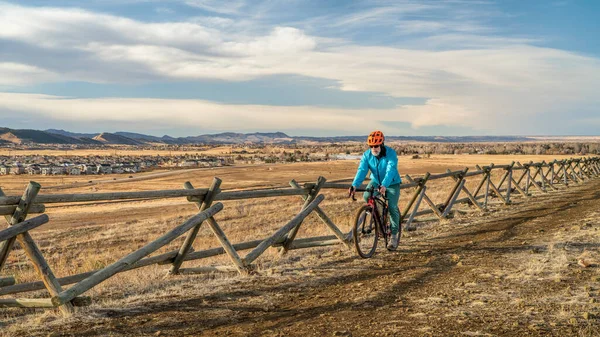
(376, 211)
(374, 202)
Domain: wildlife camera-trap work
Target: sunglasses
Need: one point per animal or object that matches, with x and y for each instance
(373, 146)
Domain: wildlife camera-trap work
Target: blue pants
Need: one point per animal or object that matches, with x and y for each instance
(393, 195)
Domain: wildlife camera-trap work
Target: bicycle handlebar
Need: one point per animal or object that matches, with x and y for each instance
(371, 190)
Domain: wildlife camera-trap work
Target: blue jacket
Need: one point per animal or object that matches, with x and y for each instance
(384, 170)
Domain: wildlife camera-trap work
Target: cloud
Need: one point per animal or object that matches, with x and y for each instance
(184, 113)
(380, 15)
(155, 114)
(473, 79)
(216, 6)
(21, 74)
(164, 10)
(409, 27)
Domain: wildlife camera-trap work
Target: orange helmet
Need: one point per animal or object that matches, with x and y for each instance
(375, 138)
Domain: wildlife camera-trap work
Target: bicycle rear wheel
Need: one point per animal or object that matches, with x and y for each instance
(365, 232)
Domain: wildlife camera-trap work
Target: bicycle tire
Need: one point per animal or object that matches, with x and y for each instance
(365, 232)
(387, 235)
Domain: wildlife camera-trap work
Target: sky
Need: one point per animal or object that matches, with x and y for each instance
(313, 68)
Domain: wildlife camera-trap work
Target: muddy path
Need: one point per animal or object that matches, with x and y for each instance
(517, 271)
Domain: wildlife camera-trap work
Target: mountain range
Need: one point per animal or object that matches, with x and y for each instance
(54, 136)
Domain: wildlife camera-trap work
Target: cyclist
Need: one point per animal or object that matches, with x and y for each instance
(382, 161)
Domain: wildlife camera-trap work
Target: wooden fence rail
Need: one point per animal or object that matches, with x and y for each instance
(515, 181)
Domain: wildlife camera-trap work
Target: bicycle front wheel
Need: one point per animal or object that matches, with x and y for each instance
(365, 232)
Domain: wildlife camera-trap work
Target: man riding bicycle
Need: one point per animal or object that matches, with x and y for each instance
(382, 161)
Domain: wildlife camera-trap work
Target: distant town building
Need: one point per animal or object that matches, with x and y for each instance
(104, 169)
(74, 170)
(17, 168)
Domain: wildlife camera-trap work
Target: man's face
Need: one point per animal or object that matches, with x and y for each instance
(375, 150)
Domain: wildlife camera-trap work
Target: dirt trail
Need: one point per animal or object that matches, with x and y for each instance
(512, 272)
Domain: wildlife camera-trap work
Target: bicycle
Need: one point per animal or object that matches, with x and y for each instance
(370, 224)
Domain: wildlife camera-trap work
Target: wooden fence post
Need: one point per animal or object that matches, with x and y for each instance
(573, 167)
(541, 186)
(510, 179)
(564, 169)
(518, 188)
(483, 181)
(191, 237)
(541, 170)
(411, 218)
(432, 205)
(585, 168)
(122, 264)
(454, 197)
(498, 193)
(522, 167)
(505, 175)
(23, 227)
(528, 181)
(216, 229)
(568, 169)
(574, 174)
(7, 281)
(491, 185)
(548, 182)
(453, 193)
(229, 249)
(265, 244)
(535, 174)
(6, 245)
(30, 247)
(487, 186)
(532, 181)
(309, 198)
(469, 195)
(321, 214)
(589, 167)
(578, 166)
(580, 171)
(594, 166)
(420, 193)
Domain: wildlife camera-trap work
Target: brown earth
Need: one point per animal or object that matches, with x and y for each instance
(530, 269)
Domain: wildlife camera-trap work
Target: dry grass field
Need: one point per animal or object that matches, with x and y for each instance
(511, 272)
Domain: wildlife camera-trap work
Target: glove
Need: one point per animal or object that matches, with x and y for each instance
(351, 191)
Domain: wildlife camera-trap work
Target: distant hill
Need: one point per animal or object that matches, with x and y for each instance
(144, 138)
(110, 138)
(240, 138)
(55, 136)
(72, 134)
(39, 137)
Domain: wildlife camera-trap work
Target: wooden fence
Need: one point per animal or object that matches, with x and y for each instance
(523, 180)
